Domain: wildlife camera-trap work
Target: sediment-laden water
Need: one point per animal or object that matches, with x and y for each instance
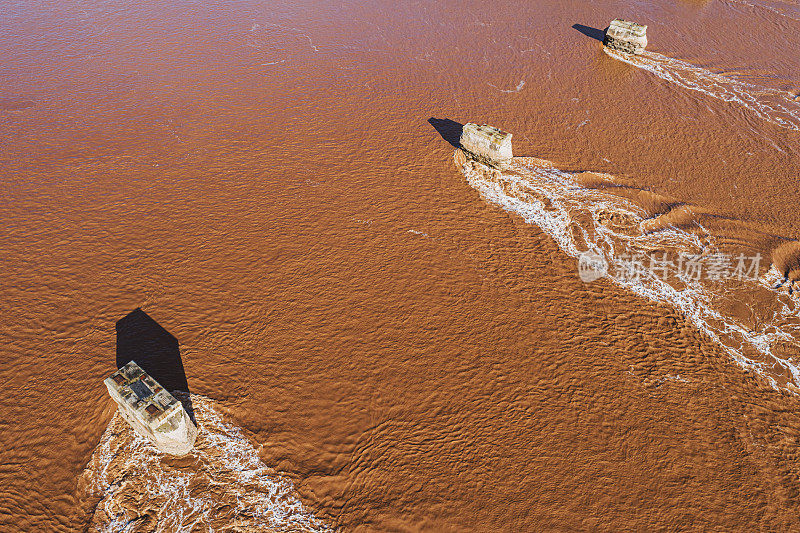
(375, 339)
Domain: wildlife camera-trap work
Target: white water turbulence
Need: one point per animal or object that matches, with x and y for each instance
(605, 227)
(221, 485)
(773, 105)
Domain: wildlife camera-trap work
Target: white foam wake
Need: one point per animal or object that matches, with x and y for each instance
(579, 220)
(221, 484)
(773, 105)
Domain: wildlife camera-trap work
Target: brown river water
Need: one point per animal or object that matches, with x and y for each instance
(376, 338)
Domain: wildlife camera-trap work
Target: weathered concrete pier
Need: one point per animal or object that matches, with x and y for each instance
(151, 411)
(487, 144)
(626, 36)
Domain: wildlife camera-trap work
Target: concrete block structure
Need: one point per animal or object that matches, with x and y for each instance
(487, 144)
(626, 36)
(151, 410)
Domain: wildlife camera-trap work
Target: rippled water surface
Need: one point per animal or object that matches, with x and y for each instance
(378, 340)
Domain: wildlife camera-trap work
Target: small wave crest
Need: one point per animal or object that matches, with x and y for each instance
(221, 485)
(585, 213)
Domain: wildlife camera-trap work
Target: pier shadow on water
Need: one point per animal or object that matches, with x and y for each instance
(588, 31)
(450, 130)
(143, 340)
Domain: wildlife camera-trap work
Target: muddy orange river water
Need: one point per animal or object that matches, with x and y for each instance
(374, 337)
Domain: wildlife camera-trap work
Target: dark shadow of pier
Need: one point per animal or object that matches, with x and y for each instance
(142, 339)
(450, 130)
(588, 31)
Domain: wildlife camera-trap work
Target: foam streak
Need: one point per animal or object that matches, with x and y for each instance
(773, 105)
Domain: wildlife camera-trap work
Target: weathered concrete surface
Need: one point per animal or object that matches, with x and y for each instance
(487, 144)
(626, 36)
(151, 411)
